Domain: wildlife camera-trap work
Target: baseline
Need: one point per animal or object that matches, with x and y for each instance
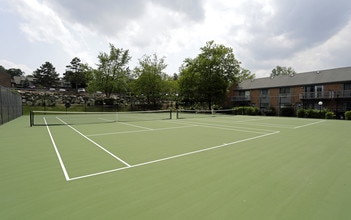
(173, 157)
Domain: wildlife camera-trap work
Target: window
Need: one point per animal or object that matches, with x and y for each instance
(347, 90)
(245, 95)
(319, 91)
(284, 91)
(264, 92)
(264, 97)
(315, 91)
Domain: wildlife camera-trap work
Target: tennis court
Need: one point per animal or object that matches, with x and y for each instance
(169, 166)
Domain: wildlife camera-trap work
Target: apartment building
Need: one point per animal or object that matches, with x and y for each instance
(329, 89)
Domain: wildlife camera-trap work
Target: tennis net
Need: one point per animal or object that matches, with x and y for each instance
(71, 118)
(182, 114)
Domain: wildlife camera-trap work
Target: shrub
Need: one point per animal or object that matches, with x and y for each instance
(314, 113)
(348, 115)
(330, 115)
(251, 111)
(270, 111)
(287, 111)
(301, 113)
(238, 110)
(245, 110)
(99, 102)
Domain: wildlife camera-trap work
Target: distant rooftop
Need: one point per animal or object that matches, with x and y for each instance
(307, 78)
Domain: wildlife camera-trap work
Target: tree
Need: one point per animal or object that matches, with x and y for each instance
(2, 69)
(207, 77)
(77, 73)
(150, 78)
(112, 73)
(282, 71)
(15, 72)
(46, 75)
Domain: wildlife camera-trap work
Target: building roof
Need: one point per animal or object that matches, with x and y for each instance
(19, 79)
(307, 78)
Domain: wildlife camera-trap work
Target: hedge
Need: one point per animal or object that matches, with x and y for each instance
(348, 115)
(245, 110)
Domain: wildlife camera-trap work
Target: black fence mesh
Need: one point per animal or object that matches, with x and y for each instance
(10, 105)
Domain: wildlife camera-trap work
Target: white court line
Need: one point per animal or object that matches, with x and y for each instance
(57, 152)
(254, 122)
(230, 127)
(137, 131)
(96, 144)
(309, 124)
(175, 156)
(137, 126)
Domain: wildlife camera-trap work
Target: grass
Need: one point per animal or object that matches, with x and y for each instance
(240, 168)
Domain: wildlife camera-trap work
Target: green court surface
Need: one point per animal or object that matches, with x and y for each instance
(215, 167)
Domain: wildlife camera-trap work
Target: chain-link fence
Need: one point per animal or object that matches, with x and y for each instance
(10, 105)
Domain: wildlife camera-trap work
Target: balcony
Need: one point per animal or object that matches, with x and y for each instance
(326, 95)
(241, 98)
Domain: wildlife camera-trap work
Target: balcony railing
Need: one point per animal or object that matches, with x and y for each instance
(241, 98)
(326, 94)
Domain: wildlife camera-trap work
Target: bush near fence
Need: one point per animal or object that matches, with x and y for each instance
(348, 115)
(245, 110)
(315, 113)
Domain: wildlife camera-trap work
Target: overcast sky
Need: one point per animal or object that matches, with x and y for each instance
(306, 35)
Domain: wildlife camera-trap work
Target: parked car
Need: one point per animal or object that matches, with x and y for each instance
(52, 89)
(81, 90)
(62, 90)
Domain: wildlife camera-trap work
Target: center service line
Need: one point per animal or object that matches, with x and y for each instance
(98, 145)
(175, 156)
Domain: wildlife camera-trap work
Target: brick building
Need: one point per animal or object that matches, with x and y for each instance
(329, 89)
(5, 79)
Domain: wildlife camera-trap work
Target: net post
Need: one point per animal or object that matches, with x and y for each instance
(170, 114)
(31, 118)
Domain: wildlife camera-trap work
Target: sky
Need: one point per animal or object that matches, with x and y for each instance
(307, 35)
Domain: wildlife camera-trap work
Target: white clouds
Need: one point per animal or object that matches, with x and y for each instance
(263, 33)
(40, 22)
(333, 53)
(9, 65)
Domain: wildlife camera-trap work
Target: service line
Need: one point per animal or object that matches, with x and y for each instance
(173, 157)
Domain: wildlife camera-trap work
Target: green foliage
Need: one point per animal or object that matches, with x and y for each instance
(284, 71)
(77, 73)
(330, 115)
(287, 111)
(348, 115)
(15, 72)
(207, 77)
(112, 73)
(150, 79)
(46, 75)
(270, 111)
(245, 110)
(301, 113)
(314, 113)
